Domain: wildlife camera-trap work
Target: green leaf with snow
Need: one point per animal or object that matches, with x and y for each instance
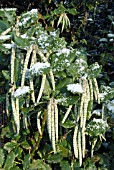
(94, 70)
(66, 101)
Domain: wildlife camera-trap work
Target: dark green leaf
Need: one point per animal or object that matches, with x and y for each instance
(72, 11)
(64, 82)
(6, 74)
(68, 124)
(4, 25)
(15, 168)
(55, 158)
(66, 101)
(64, 151)
(9, 146)
(26, 162)
(39, 165)
(65, 165)
(25, 145)
(9, 161)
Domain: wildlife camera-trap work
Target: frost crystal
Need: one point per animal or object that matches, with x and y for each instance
(21, 91)
(75, 88)
(38, 68)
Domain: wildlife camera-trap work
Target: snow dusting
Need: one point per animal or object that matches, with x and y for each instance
(75, 88)
(5, 37)
(63, 51)
(9, 46)
(21, 91)
(38, 67)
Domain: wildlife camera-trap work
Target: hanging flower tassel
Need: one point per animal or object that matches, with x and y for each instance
(41, 88)
(67, 113)
(38, 123)
(75, 144)
(25, 65)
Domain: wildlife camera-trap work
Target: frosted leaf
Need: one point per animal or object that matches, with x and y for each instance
(38, 68)
(9, 46)
(33, 11)
(97, 127)
(75, 88)
(21, 91)
(25, 20)
(110, 106)
(96, 66)
(63, 51)
(103, 40)
(5, 37)
(110, 35)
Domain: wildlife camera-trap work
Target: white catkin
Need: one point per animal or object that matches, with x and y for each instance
(83, 142)
(41, 88)
(87, 99)
(32, 89)
(42, 56)
(75, 144)
(81, 109)
(52, 79)
(96, 90)
(33, 61)
(91, 97)
(12, 64)
(79, 148)
(92, 147)
(91, 89)
(49, 119)
(24, 120)
(17, 115)
(25, 66)
(38, 122)
(53, 128)
(34, 58)
(83, 98)
(103, 108)
(56, 119)
(7, 104)
(67, 113)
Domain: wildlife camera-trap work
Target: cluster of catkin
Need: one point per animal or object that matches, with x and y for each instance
(31, 53)
(90, 91)
(52, 122)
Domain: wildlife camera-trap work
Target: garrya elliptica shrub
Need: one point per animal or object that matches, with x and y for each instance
(53, 82)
